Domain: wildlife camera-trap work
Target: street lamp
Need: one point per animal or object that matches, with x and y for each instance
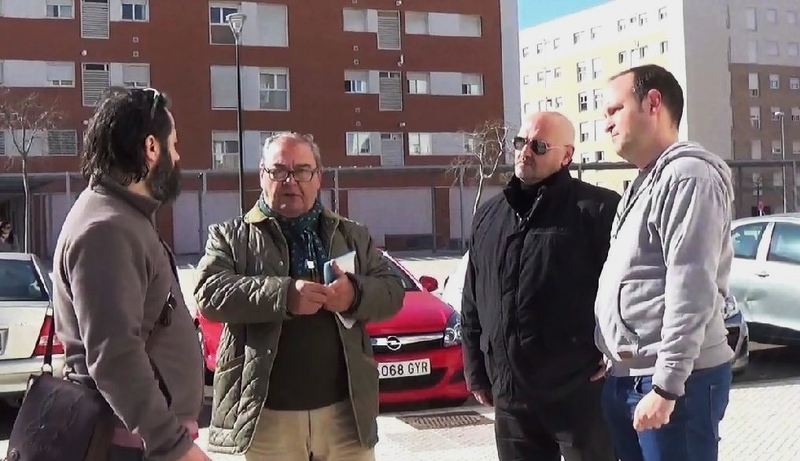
(236, 23)
(782, 116)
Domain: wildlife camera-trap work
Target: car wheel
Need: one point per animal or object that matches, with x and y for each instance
(208, 374)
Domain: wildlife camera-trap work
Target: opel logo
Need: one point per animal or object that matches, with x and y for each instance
(393, 343)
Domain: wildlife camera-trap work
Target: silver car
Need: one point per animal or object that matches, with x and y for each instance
(765, 276)
(26, 316)
(738, 335)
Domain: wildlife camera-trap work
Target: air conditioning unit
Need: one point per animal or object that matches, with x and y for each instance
(776, 150)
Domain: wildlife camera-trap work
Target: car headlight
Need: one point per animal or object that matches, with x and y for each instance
(452, 331)
(731, 307)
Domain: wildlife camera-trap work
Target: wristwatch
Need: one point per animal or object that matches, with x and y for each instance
(664, 394)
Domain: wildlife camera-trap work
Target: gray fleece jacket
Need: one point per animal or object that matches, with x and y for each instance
(662, 289)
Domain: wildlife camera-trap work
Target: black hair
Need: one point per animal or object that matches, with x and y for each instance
(10, 238)
(114, 142)
(653, 77)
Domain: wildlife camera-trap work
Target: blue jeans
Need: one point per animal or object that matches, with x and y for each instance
(692, 433)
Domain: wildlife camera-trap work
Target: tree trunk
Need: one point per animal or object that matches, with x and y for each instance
(27, 221)
(478, 194)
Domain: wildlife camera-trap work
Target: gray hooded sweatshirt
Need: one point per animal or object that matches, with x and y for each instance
(661, 293)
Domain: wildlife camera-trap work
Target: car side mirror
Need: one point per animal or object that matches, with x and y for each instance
(429, 283)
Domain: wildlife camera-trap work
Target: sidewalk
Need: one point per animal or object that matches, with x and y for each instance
(760, 425)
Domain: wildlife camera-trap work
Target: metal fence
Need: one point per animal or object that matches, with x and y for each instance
(405, 207)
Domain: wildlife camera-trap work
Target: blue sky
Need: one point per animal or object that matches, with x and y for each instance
(533, 12)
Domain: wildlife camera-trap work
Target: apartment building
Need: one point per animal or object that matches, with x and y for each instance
(382, 85)
(737, 62)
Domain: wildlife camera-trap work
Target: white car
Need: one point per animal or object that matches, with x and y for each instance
(26, 316)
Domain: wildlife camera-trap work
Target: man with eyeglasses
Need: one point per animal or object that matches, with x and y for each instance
(295, 378)
(536, 252)
(118, 305)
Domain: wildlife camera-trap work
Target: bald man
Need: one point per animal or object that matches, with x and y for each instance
(536, 253)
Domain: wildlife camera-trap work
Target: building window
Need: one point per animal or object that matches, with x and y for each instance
(597, 68)
(752, 81)
(791, 17)
(584, 131)
(773, 49)
(577, 37)
(581, 68)
(60, 9)
(559, 102)
(525, 52)
(419, 144)
(774, 111)
(793, 49)
(526, 79)
(557, 72)
(224, 150)
(539, 48)
(643, 19)
(755, 117)
(61, 74)
(540, 76)
(774, 81)
(274, 89)
(472, 84)
(583, 102)
(134, 10)
(776, 146)
(356, 81)
(418, 83)
(556, 43)
(221, 33)
(598, 99)
(358, 143)
(96, 81)
(136, 75)
(772, 15)
(664, 47)
(755, 149)
(794, 83)
(62, 142)
(796, 114)
(388, 30)
(594, 32)
(390, 91)
(662, 14)
(622, 24)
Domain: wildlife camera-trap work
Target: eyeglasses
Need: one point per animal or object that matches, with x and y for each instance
(156, 99)
(281, 175)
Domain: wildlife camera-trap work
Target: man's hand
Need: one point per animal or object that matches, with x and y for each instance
(195, 454)
(484, 397)
(652, 412)
(306, 298)
(601, 372)
(343, 292)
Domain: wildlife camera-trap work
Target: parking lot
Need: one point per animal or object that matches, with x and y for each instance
(761, 422)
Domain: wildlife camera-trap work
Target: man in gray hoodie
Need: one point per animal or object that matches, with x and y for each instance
(662, 289)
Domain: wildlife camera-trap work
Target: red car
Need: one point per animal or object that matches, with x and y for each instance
(418, 350)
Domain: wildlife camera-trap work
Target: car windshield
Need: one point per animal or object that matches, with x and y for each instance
(408, 283)
(19, 281)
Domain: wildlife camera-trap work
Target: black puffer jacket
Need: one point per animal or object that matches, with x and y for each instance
(528, 302)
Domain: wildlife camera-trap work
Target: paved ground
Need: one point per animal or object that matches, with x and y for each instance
(761, 423)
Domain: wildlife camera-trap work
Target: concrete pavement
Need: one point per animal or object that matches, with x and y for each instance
(760, 425)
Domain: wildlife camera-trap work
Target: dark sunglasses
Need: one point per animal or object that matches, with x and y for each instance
(538, 146)
(156, 98)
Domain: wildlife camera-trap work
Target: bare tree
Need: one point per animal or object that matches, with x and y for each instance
(26, 119)
(488, 145)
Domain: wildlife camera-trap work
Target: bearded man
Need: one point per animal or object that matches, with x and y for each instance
(118, 306)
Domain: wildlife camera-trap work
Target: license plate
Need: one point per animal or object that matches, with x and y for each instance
(388, 370)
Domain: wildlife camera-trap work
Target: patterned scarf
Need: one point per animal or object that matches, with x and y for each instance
(306, 250)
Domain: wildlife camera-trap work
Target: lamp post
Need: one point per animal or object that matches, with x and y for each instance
(236, 22)
(782, 116)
